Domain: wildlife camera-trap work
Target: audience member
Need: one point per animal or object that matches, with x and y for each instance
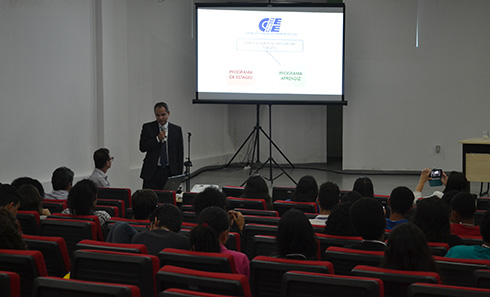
(217, 218)
(328, 197)
(432, 216)
(339, 222)
(61, 180)
(306, 190)
(364, 186)
(82, 200)
(204, 239)
(18, 182)
(257, 188)
(407, 250)
(448, 196)
(368, 220)
(103, 161)
(463, 215)
(295, 236)
(144, 203)
(475, 251)
(31, 200)
(351, 197)
(10, 237)
(455, 181)
(9, 198)
(400, 203)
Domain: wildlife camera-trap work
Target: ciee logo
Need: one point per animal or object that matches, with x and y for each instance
(270, 24)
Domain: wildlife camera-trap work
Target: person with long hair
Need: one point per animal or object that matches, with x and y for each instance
(31, 200)
(364, 186)
(339, 222)
(295, 236)
(10, 237)
(306, 190)
(256, 188)
(456, 181)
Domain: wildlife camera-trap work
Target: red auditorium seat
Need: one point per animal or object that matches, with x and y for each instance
(9, 284)
(212, 262)
(54, 251)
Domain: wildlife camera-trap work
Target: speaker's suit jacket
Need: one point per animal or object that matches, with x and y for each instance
(152, 147)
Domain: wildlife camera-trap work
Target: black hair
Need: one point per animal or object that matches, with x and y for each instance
(351, 196)
(161, 104)
(464, 204)
(295, 235)
(204, 239)
(328, 195)
(30, 198)
(216, 217)
(432, 217)
(339, 222)
(364, 186)
(144, 202)
(209, 197)
(257, 188)
(456, 181)
(407, 250)
(18, 182)
(485, 227)
(82, 197)
(9, 194)
(368, 218)
(169, 216)
(101, 156)
(306, 190)
(401, 200)
(10, 237)
(448, 196)
(62, 177)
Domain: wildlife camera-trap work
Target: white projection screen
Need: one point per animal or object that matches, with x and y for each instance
(270, 54)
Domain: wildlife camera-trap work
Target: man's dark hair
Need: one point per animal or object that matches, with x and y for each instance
(18, 182)
(82, 197)
(351, 197)
(101, 156)
(161, 104)
(485, 227)
(8, 194)
(144, 203)
(216, 217)
(464, 204)
(401, 200)
(339, 222)
(169, 216)
(62, 178)
(209, 197)
(368, 218)
(328, 195)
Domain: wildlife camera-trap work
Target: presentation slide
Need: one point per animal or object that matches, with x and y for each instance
(264, 53)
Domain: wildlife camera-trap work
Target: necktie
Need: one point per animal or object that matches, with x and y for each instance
(163, 153)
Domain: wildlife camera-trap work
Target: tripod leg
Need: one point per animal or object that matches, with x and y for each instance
(283, 172)
(277, 148)
(243, 144)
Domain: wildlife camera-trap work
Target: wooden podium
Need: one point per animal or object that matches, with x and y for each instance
(476, 160)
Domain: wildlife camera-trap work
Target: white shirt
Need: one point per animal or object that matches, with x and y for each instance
(99, 177)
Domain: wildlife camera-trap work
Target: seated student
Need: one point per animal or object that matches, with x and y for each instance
(82, 200)
(407, 250)
(18, 182)
(217, 218)
(103, 161)
(432, 216)
(463, 215)
(351, 197)
(61, 180)
(257, 188)
(455, 181)
(295, 236)
(9, 198)
(10, 237)
(368, 219)
(475, 251)
(203, 238)
(306, 190)
(364, 186)
(400, 203)
(144, 203)
(328, 197)
(339, 222)
(31, 200)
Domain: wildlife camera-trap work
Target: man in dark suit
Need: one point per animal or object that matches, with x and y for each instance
(163, 144)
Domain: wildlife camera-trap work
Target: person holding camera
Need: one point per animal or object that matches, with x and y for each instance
(436, 177)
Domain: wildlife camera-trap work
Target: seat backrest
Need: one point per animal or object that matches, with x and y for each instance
(109, 246)
(123, 194)
(187, 293)
(190, 217)
(54, 251)
(471, 240)
(246, 203)
(437, 290)
(250, 230)
(232, 191)
(166, 196)
(282, 193)
(213, 262)
(396, 282)
(54, 205)
(234, 242)
(459, 272)
(188, 198)
(266, 273)
(29, 221)
(27, 264)
(258, 212)
(327, 240)
(344, 260)
(253, 219)
(58, 287)
(438, 248)
(308, 284)
(9, 284)
(264, 245)
(482, 277)
(125, 268)
(113, 211)
(120, 204)
(282, 206)
(93, 218)
(202, 281)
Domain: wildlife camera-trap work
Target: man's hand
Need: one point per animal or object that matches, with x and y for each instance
(237, 217)
(162, 135)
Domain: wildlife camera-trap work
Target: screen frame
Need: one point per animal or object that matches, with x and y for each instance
(342, 101)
